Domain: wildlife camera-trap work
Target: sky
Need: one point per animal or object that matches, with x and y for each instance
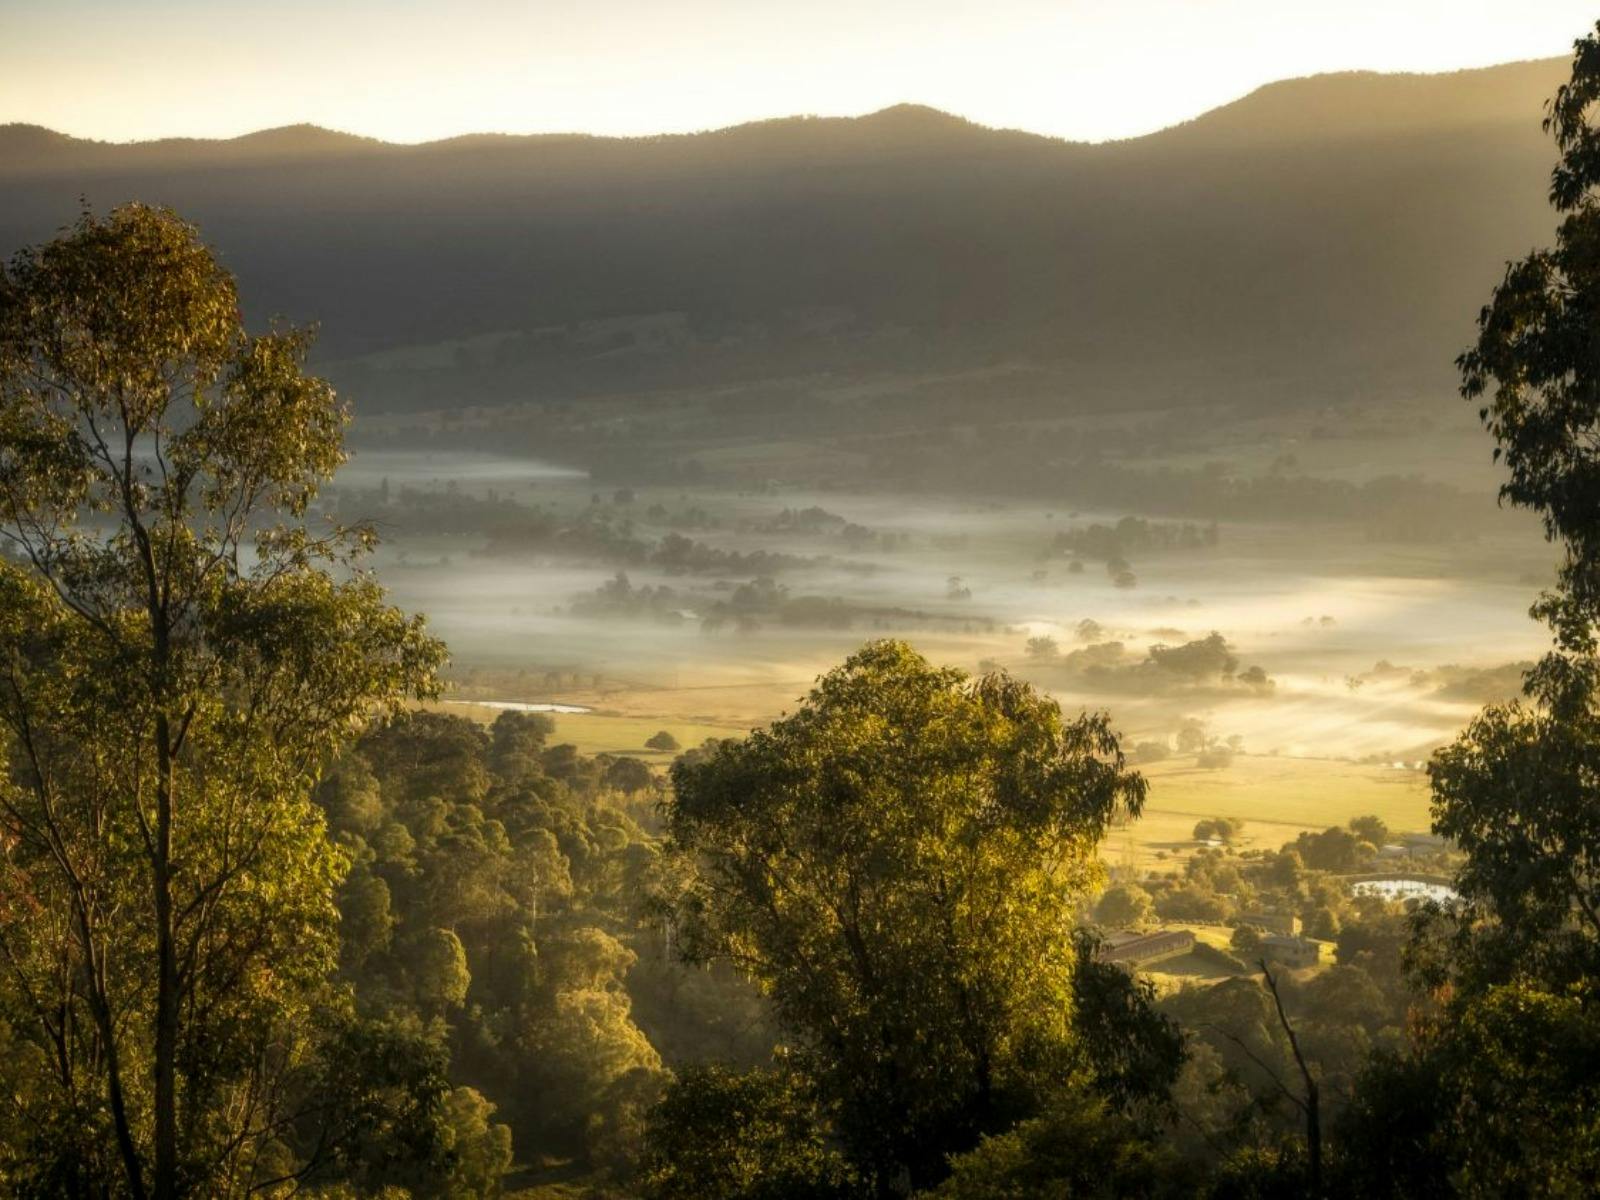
(409, 71)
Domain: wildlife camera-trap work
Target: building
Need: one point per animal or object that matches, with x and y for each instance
(1272, 922)
(1290, 951)
(1141, 949)
(1424, 843)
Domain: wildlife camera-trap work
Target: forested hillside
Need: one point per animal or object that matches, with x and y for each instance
(1311, 240)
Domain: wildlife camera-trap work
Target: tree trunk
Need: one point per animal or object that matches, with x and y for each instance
(1312, 1104)
(100, 1007)
(166, 1030)
(1314, 1136)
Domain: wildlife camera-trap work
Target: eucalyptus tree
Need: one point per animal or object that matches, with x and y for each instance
(1518, 790)
(1494, 1094)
(900, 865)
(1534, 369)
(181, 648)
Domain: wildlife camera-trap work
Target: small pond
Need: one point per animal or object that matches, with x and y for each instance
(1400, 888)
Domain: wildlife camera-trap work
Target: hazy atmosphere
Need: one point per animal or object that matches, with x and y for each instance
(639, 601)
(1084, 70)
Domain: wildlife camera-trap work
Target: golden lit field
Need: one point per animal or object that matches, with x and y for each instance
(1174, 973)
(1276, 798)
(609, 733)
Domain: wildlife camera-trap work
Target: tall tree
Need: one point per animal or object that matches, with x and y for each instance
(900, 864)
(1494, 1095)
(1517, 791)
(179, 654)
(1535, 367)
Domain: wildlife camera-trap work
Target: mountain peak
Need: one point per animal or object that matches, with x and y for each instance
(301, 138)
(1373, 103)
(918, 114)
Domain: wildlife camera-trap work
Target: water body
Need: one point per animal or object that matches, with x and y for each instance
(1406, 889)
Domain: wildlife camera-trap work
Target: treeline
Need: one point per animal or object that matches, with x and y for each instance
(1021, 461)
(1132, 535)
(1207, 663)
(502, 526)
(745, 607)
(987, 455)
(497, 907)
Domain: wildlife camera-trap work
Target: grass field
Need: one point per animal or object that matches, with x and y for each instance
(1174, 973)
(610, 733)
(1276, 798)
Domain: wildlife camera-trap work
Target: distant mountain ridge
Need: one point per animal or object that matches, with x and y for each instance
(26, 148)
(1316, 236)
(1484, 93)
(1355, 103)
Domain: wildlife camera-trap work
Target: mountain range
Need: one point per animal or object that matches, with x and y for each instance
(1318, 238)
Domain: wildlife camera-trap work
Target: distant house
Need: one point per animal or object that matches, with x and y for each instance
(1290, 951)
(1424, 841)
(1141, 949)
(1272, 922)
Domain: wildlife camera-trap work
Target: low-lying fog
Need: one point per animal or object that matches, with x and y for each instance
(1365, 648)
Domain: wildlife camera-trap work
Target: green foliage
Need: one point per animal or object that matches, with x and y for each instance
(1493, 1100)
(1532, 368)
(1286, 868)
(1375, 939)
(663, 741)
(1498, 1099)
(1133, 1052)
(518, 740)
(182, 655)
(1079, 1149)
(1496, 1095)
(760, 1135)
(1223, 828)
(896, 864)
(1334, 849)
(1124, 906)
(1515, 793)
(379, 1113)
(480, 1151)
(628, 775)
(1044, 649)
(499, 904)
(439, 971)
(1207, 658)
(1371, 830)
(1193, 901)
(1322, 922)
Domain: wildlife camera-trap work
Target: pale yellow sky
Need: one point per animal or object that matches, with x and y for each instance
(405, 70)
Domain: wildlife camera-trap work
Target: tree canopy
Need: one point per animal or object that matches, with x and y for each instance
(899, 864)
(181, 652)
(1488, 1098)
(1517, 789)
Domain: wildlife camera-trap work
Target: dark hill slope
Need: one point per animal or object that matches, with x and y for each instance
(1317, 236)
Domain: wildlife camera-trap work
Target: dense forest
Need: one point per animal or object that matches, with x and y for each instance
(274, 922)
